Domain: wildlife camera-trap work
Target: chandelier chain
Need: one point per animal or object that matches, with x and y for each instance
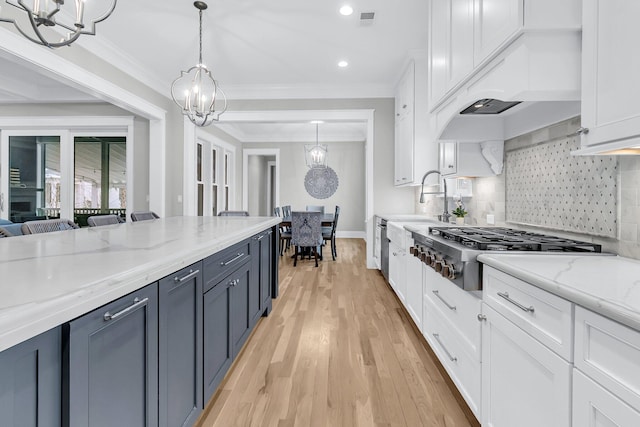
(200, 37)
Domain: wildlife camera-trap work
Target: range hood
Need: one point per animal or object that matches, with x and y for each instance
(533, 83)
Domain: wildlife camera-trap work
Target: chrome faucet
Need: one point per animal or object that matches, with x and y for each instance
(445, 215)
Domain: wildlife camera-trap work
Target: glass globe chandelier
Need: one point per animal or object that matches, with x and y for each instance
(316, 155)
(195, 91)
(69, 17)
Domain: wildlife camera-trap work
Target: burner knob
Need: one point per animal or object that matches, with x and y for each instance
(413, 250)
(448, 271)
(438, 266)
(426, 257)
(434, 261)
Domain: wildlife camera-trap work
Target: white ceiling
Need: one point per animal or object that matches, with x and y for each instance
(255, 49)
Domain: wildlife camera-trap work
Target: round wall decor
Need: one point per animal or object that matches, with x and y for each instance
(321, 183)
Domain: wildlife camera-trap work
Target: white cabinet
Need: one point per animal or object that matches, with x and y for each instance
(524, 383)
(414, 152)
(452, 329)
(526, 354)
(610, 69)
(468, 158)
(413, 300)
(496, 21)
(593, 405)
(609, 354)
(397, 269)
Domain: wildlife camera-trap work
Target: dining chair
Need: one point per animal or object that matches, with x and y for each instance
(330, 235)
(4, 233)
(306, 233)
(276, 211)
(233, 213)
(286, 210)
(98, 220)
(143, 216)
(315, 208)
(47, 226)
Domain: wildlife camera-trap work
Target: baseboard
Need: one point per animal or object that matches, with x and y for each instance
(351, 235)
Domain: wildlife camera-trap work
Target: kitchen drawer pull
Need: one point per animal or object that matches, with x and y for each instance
(505, 295)
(452, 358)
(234, 259)
(449, 306)
(136, 303)
(187, 277)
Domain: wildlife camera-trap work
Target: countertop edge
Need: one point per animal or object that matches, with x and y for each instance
(596, 304)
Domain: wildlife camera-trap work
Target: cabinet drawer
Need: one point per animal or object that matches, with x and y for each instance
(609, 353)
(462, 366)
(546, 317)
(219, 265)
(595, 406)
(459, 307)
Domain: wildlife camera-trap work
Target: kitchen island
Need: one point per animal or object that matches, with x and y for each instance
(147, 316)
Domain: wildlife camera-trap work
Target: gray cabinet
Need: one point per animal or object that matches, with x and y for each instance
(264, 265)
(110, 364)
(218, 353)
(180, 347)
(30, 393)
(243, 305)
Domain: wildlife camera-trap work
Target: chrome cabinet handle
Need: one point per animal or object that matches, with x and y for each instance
(187, 277)
(449, 306)
(482, 317)
(234, 282)
(452, 358)
(580, 131)
(234, 259)
(136, 303)
(505, 295)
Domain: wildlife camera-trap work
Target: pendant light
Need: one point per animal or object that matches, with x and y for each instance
(196, 91)
(316, 155)
(68, 17)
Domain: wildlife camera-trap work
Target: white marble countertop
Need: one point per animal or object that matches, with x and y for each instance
(609, 285)
(407, 217)
(48, 279)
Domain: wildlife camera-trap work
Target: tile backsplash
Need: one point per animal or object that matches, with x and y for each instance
(495, 195)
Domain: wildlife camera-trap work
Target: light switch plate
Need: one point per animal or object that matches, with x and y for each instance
(491, 219)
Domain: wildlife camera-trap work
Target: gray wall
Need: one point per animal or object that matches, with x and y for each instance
(258, 170)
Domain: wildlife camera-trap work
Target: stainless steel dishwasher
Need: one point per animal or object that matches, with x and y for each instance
(384, 249)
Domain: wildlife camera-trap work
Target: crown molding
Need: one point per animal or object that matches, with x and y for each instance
(308, 91)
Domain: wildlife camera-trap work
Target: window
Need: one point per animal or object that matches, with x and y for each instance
(100, 176)
(213, 178)
(34, 177)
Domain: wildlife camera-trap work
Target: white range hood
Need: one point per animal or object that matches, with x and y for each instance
(541, 70)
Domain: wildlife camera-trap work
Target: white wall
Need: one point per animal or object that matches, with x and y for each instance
(258, 180)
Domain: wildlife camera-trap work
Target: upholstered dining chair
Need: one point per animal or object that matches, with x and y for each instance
(286, 210)
(276, 211)
(98, 220)
(306, 233)
(329, 233)
(47, 226)
(4, 233)
(233, 213)
(143, 216)
(315, 208)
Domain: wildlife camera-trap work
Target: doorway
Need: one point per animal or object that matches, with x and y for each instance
(260, 181)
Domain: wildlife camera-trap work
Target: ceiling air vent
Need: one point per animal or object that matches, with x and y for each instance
(366, 18)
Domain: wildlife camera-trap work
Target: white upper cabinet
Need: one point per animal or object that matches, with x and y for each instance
(496, 21)
(415, 153)
(471, 159)
(610, 70)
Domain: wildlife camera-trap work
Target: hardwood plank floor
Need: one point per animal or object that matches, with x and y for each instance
(337, 350)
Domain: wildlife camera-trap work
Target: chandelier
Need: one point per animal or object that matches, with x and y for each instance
(316, 155)
(195, 90)
(55, 15)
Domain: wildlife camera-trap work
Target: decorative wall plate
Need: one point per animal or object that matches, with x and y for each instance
(321, 183)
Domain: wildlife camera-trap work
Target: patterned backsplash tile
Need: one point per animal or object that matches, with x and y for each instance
(546, 186)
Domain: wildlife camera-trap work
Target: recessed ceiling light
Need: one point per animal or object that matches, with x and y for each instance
(343, 64)
(346, 10)
(316, 122)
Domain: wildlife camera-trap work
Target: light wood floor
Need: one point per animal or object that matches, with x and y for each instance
(337, 350)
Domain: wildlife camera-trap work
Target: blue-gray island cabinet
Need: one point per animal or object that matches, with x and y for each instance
(144, 357)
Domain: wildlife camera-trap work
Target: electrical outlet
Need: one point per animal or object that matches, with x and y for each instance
(491, 219)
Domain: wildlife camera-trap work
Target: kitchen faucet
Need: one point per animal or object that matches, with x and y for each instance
(445, 215)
